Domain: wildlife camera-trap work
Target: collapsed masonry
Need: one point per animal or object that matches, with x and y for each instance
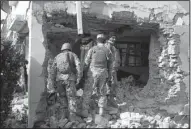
(165, 88)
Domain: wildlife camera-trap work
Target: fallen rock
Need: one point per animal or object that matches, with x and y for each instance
(68, 125)
(131, 108)
(113, 111)
(150, 112)
(114, 116)
(62, 123)
(125, 115)
(99, 120)
(186, 125)
(83, 113)
(107, 116)
(165, 124)
(157, 117)
(88, 126)
(111, 122)
(81, 125)
(125, 123)
(135, 125)
(137, 110)
(79, 119)
(89, 119)
(116, 125)
(186, 110)
(176, 108)
(178, 118)
(172, 124)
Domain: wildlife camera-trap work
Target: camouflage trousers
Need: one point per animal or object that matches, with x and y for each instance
(113, 84)
(67, 95)
(95, 85)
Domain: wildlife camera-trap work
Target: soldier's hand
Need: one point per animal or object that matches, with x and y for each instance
(77, 81)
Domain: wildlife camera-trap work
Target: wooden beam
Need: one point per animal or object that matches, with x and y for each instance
(79, 17)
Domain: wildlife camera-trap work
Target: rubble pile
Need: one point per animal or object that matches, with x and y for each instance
(136, 120)
(121, 120)
(19, 113)
(133, 111)
(127, 90)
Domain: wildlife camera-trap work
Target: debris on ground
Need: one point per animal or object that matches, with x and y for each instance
(132, 111)
(18, 116)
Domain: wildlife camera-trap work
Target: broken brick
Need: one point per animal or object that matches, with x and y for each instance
(81, 125)
(99, 120)
(113, 111)
(125, 115)
(69, 125)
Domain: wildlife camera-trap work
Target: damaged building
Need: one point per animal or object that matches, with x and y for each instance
(152, 38)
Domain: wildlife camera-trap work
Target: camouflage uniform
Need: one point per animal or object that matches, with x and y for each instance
(99, 76)
(65, 84)
(116, 64)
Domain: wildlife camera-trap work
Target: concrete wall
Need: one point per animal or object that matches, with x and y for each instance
(163, 10)
(183, 31)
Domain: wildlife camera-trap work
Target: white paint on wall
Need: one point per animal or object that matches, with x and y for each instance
(36, 58)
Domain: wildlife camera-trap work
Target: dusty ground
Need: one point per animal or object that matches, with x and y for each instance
(132, 111)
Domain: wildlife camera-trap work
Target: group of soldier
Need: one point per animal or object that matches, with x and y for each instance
(99, 66)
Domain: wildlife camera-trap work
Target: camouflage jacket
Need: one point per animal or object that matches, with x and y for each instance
(56, 76)
(115, 55)
(89, 57)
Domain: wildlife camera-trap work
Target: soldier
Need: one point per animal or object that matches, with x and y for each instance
(65, 75)
(99, 64)
(110, 44)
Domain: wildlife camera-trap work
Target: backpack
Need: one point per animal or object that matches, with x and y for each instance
(63, 63)
(99, 57)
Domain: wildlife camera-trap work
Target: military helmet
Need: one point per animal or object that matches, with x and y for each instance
(66, 46)
(100, 36)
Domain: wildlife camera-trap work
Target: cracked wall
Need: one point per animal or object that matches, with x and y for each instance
(167, 79)
(167, 64)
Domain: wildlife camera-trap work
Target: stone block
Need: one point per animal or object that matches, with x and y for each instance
(113, 111)
(172, 124)
(125, 123)
(173, 49)
(69, 125)
(81, 125)
(107, 116)
(99, 120)
(157, 117)
(179, 22)
(89, 119)
(165, 124)
(131, 108)
(125, 115)
(111, 122)
(186, 19)
(117, 125)
(172, 42)
(114, 116)
(185, 110)
(62, 123)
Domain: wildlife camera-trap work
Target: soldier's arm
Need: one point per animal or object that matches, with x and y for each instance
(117, 59)
(110, 64)
(87, 59)
(52, 77)
(78, 68)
